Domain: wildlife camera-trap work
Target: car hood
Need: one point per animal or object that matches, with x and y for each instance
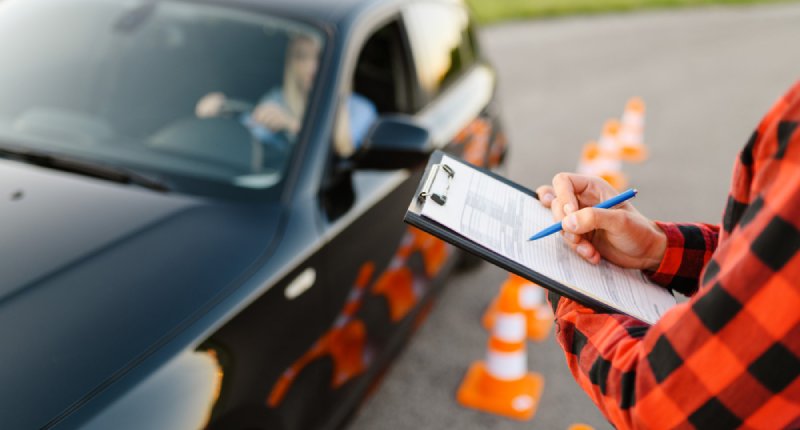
(95, 274)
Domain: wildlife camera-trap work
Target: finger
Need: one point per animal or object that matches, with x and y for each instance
(276, 123)
(587, 190)
(565, 195)
(271, 124)
(271, 108)
(261, 110)
(216, 101)
(207, 110)
(258, 117)
(205, 107)
(266, 118)
(590, 219)
(270, 112)
(571, 238)
(546, 195)
(585, 249)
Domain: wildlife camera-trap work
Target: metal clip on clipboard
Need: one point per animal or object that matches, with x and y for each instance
(430, 182)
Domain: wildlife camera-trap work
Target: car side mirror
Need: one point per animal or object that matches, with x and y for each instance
(394, 142)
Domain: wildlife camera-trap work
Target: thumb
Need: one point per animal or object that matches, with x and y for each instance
(587, 220)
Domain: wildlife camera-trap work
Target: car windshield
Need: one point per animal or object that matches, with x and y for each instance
(182, 91)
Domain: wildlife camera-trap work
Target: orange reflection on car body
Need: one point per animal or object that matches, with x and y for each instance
(434, 251)
(475, 137)
(498, 149)
(217, 381)
(347, 341)
(349, 352)
(397, 285)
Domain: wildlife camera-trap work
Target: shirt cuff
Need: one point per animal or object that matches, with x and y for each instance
(670, 271)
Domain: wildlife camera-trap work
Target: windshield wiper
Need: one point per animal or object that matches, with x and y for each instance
(82, 167)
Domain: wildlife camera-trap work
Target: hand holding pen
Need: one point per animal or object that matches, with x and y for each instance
(620, 235)
(608, 204)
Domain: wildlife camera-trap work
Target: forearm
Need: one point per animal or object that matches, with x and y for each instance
(602, 352)
(730, 356)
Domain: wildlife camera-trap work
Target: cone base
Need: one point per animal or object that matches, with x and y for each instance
(512, 399)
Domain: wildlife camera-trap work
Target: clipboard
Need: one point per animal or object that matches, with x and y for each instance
(434, 188)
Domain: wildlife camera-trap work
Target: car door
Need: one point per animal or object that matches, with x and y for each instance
(373, 270)
(379, 272)
(258, 350)
(377, 269)
(314, 373)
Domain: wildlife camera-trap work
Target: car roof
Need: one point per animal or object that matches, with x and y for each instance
(328, 11)
(331, 11)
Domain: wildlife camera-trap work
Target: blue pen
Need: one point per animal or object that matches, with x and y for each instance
(608, 204)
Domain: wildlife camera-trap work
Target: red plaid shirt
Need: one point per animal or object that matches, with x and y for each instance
(729, 357)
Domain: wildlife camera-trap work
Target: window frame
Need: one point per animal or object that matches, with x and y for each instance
(354, 48)
(426, 97)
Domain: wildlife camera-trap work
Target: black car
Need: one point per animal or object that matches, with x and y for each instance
(202, 203)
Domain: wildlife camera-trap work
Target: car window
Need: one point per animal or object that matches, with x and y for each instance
(442, 43)
(379, 85)
(180, 89)
(382, 68)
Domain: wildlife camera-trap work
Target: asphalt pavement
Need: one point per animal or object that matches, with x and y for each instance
(707, 76)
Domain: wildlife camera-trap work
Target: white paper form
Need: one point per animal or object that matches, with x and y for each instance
(502, 218)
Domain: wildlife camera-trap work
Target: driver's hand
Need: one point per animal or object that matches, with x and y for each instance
(621, 235)
(275, 118)
(210, 105)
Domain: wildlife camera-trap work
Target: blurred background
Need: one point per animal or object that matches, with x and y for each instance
(707, 74)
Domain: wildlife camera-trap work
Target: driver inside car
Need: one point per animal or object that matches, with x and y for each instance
(276, 119)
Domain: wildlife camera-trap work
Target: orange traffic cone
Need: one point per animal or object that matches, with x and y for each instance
(580, 427)
(631, 133)
(502, 385)
(609, 139)
(604, 163)
(538, 316)
(610, 163)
